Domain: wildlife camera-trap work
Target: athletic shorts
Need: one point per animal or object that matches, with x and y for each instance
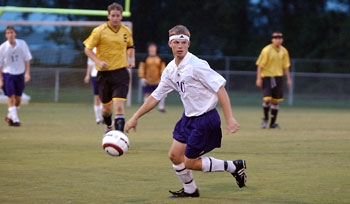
(113, 85)
(273, 88)
(149, 88)
(13, 84)
(5, 78)
(201, 133)
(94, 85)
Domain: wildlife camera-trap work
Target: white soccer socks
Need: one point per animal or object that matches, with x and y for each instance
(210, 164)
(13, 113)
(274, 112)
(185, 176)
(98, 112)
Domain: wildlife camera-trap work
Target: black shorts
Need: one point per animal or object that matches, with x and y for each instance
(272, 91)
(113, 85)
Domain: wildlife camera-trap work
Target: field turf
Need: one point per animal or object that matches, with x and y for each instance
(56, 157)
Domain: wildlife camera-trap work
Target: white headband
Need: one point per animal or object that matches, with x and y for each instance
(179, 37)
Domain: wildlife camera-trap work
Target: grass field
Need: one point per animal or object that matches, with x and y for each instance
(56, 157)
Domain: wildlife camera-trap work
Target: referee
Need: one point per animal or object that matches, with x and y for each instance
(272, 63)
(114, 42)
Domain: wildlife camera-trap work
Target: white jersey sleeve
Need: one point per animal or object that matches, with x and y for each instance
(209, 78)
(164, 87)
(26, 52)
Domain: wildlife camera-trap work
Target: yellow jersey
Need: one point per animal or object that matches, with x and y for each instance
(111, 45)
(151, 69)
(273, 61)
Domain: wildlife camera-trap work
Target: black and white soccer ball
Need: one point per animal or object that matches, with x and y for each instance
(115, 143)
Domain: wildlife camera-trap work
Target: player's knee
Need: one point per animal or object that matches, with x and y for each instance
(267, 101)
(11, 101)
(106, 111)
(174, 158)
(18, 102)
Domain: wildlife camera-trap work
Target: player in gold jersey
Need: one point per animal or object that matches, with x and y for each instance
(114, 43)
(150, 70)
(273, 61)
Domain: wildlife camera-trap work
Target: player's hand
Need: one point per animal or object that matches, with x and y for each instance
(27, 78)
(131, 64)
(132, 123)
(259, 83)
(289, 83)
(86, 79)
(231, 126)
(102, 64)
(143, 82)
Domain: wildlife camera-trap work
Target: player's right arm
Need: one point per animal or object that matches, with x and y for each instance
(258, 77)
(88, 72)
(90, 43)
(148, 105)
(261, 63)
(142, 73)
(92, 55)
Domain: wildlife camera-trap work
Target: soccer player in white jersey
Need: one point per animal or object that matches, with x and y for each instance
(91, 72)
(198, 131)
(15, 61)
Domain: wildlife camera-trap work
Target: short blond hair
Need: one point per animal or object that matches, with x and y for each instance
(179, 29)
(115, 6)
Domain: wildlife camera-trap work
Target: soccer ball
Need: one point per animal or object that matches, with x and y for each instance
(115, 143)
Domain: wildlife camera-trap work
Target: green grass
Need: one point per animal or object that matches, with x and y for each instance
(56, 157)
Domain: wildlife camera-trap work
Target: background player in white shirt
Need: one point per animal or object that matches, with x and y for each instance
(15, 60)
(198, 131)
(91, 72)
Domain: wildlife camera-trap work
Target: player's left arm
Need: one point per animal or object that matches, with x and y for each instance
(131, 57)
(27, 72)
(286, 66)
(27, 58)
(287, 73)
(130, 49)
(148, 105)
(231, 124)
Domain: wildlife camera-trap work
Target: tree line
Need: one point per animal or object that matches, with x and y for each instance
(225, 27)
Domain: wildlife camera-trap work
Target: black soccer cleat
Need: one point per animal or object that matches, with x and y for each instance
(239, 174)
(264, 123)
(274, 126)
(9, 121)
(15, 124)
(182, 194)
